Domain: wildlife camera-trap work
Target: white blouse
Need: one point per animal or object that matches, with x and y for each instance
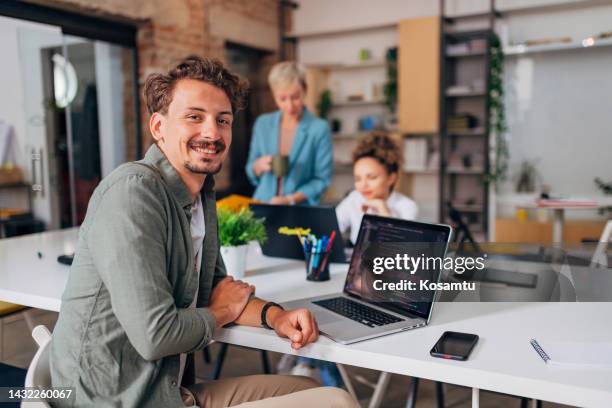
(349, 211)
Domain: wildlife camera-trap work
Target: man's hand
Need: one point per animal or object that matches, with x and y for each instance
(262, 165)
(298, 325)
(228, 299)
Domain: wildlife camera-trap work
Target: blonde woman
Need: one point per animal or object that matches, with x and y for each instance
(294, 132)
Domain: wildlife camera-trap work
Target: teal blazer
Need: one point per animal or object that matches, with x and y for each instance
(310, 158)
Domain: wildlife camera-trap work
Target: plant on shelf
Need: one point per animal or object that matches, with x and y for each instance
(497, 112)
(390, 89)
(325, 104)
(236, 230)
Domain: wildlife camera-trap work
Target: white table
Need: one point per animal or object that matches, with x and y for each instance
(503, 360)
(559, 209)
(39, 281)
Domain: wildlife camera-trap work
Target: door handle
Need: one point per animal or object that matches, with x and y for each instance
(37, 184)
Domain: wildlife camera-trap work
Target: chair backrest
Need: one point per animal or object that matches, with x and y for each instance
(600, 257)
(39, 372)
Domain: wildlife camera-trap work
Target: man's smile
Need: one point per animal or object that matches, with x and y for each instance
(207, 149)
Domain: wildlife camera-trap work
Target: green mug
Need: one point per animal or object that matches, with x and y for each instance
(280, 165)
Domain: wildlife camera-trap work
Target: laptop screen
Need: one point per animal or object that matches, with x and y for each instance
(383, 238)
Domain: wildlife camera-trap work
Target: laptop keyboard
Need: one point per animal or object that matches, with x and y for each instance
(358, 312)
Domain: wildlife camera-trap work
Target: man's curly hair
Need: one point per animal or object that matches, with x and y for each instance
(158, 89)
(379, 146)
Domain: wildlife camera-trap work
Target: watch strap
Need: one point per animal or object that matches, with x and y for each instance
(264, 312)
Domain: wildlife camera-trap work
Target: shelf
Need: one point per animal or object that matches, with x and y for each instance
(471, 208)
(348, 136)
(584, 44)
(346, 104)
(547, 8)
(14, 185)
(475, 16)
(343, 167)
(339, 31)
(425, 171)
(469, 94)
(468, 54)
(469, 132)
(462, 35)
(461, 170)
(337, 66)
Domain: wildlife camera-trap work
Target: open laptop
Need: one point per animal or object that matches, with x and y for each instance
(321, 221)
(360, 312)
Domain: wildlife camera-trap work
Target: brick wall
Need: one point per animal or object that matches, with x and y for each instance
(172, 29)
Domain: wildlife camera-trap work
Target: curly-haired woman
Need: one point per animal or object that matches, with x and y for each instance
(376, 162)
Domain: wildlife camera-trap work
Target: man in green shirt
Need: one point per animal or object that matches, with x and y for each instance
(148, 284)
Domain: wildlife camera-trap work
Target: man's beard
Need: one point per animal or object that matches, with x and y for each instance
(204, 168)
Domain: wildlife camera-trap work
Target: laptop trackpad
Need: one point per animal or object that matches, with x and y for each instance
(325, 317)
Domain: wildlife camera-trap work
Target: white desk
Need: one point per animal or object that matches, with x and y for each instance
(559, 209)
(502, 361)
(30, 280)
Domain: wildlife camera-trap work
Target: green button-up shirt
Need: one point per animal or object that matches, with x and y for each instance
(125, 315)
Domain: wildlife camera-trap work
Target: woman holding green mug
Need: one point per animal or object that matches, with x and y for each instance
(290, 158)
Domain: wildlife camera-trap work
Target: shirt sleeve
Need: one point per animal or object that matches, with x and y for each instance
(406, 209)
(129, 250)
(323, 168)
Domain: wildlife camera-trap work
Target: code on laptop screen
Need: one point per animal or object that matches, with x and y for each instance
(404, 242)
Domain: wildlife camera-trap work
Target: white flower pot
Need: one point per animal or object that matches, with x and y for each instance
(234, 258)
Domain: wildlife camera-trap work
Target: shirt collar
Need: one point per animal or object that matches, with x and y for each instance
(157, 158)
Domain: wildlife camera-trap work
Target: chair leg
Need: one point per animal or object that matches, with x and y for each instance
(219, 362)
(412, 396)
(206, 354)
(265, 362)
(440, 394)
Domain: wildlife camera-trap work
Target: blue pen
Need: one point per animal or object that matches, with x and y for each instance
(318, 254)
(313, 248)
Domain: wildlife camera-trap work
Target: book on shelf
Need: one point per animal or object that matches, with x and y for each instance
(415, 154)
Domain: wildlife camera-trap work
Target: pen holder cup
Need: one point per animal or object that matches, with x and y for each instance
(317, 266)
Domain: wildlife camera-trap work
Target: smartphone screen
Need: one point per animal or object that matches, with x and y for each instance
(454, 345)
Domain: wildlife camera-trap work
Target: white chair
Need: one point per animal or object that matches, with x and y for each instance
(39, 372)
(600, 258)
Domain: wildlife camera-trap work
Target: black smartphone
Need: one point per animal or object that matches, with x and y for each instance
(454, 346)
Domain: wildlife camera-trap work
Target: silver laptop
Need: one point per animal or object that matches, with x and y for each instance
(362, 312)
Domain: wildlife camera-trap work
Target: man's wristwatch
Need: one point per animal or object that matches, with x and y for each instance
(291, 199)
(264, 312)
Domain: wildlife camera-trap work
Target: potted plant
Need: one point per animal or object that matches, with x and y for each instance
(236, 230)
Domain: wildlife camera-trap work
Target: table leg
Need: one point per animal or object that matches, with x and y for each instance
(558, 226)
(475, 398)
(347, 380)
(381, 386)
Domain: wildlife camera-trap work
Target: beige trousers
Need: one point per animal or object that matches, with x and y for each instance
(266, 391)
